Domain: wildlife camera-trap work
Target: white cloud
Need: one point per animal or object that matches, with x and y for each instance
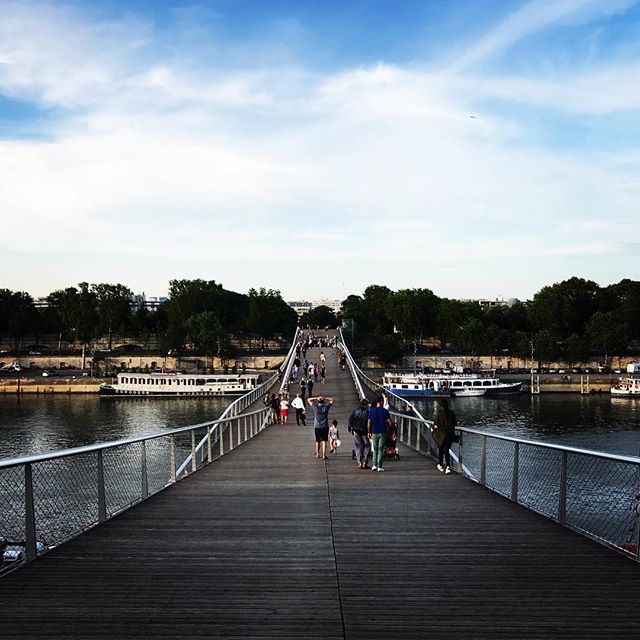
(238, 174)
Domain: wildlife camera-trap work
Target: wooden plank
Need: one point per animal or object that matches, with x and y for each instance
(269, 542)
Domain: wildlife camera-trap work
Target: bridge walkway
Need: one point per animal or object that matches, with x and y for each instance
(269, 542)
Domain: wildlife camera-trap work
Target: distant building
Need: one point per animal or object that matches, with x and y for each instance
(140, 301)
(303, 306)
(485, 303)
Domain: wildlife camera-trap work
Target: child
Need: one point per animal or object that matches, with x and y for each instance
(334, 437)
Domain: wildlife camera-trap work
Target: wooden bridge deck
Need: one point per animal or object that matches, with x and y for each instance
(269, 542)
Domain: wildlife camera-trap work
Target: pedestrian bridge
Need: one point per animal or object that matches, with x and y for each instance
(267, 541)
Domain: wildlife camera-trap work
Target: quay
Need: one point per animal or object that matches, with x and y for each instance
(269, 542)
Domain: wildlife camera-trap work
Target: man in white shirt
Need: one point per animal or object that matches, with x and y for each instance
(298, 404)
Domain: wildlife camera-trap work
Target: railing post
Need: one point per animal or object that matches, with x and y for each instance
(516, 470)
(483, 462)
(30, 515)
(209, 452)
(418, 432)
(401, 434)
(244, 423)
(230, 435)
(144, 491)
(239, 439)
(460, 451)
(172, 458)
(102, 498)
(194, 462)
(220, 437)
(562, 498)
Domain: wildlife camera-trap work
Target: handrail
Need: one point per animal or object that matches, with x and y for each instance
(550, 445)
(357, 373)
(74, 451)
(246, 400)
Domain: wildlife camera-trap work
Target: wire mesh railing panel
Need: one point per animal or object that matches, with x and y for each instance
(471, 452)
(12, 508)
(158, 463)
(65, 495)
(602, 500)
(499, 470)
(12, 517)
(122, 477)
(539, 479)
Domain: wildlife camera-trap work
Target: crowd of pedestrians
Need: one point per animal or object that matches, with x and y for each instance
(370, 424)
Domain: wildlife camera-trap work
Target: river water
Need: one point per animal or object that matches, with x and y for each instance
(30, 425)
(599, 422)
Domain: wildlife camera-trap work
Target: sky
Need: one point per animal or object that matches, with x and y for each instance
(478, 148)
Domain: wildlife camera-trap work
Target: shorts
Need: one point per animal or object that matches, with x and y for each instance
(322, 434)
(284, 412)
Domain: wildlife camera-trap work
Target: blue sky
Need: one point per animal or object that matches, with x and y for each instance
(479, 148)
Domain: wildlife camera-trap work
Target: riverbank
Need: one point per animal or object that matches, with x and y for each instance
(61, 385)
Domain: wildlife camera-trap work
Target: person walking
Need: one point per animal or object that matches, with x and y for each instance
(321, 406)
(284, 410)
(303, 388)
(323, 374)
(275, 408)
(298, 404)
(444, 431)
(358, 426)
(310, 386)
(378, 424)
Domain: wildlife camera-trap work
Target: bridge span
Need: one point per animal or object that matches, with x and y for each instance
(270, 542)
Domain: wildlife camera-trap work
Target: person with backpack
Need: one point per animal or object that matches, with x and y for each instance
(358, 426)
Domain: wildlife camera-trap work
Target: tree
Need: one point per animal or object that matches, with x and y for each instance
(321, 316)
(606, 333)
(205, 331)
(413, 312)
(114, 308)
(269, 314)
(388, 349)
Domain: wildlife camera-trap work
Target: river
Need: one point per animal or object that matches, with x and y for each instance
(598, 422)
(30, 425)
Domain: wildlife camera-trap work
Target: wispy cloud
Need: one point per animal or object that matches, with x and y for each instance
(158, 155)
(532, 17)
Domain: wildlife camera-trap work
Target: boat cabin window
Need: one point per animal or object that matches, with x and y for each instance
(405, 386)
(486, 383)
(199, 381)
(457, 383)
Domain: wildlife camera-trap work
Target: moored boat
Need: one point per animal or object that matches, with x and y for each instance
(626, 387)
(468, 392)
(442, 386)
(180, 384)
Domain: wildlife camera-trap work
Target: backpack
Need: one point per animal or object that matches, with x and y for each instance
(358, 421)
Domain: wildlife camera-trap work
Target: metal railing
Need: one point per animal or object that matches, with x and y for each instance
(360, 379)
(593, 493)
(47, 499)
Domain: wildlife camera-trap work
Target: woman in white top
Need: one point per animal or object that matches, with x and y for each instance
(284, 411)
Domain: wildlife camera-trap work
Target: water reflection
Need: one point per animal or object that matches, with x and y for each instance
(31, 425)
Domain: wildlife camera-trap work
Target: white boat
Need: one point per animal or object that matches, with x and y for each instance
(626, 387)
(431, 385)
(181, 384)
(468, 392)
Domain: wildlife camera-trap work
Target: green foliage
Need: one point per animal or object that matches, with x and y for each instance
(269, 315)
(205, 331)
(320, 316)
(388, 349)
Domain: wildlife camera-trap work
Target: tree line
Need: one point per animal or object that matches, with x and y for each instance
(201, 313)
(570, 321)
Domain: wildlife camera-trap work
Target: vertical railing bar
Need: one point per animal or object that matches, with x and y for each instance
(483, 462)
(562, 498)
(221, 437)
(194, 462)
(230, 435)
(102, 498)
(418, 427)
(172, 458)
(516, 472)
(30, 515)
(209, 452)
(244, 421)
(144, 490)
(460, 450)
